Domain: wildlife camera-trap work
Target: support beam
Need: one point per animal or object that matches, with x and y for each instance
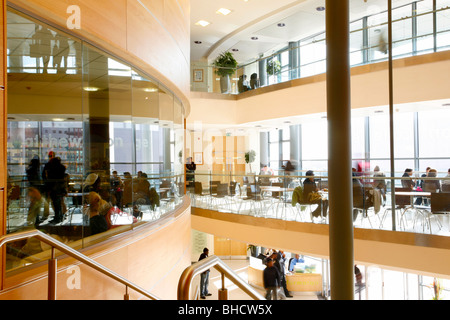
(339, 150)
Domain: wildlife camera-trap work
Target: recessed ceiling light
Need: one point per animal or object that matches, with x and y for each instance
(254, 38)
(150, 89)
(202, 23)
(90, 89)
(281, 24)
(234, 49)
(223, 11)
(57, 119)
(378, 111)
(197, 42)
(320, 8)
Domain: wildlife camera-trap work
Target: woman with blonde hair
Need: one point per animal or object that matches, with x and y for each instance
(98, 208)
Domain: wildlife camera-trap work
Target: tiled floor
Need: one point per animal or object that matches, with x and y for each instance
(234, 293)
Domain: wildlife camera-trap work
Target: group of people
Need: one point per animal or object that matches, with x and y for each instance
(245, 85)
(49, 186)
(274, 275)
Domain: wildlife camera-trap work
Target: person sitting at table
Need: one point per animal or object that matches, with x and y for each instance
(294, 261)
(98, 209)
(265, 171)
(358, 197)
(311, 196)
(380, 184)
(431, 185)
(408, 183)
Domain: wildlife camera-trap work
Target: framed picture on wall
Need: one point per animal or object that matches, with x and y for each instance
(198, 157)
(198, 75)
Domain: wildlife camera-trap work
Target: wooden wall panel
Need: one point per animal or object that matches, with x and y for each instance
(152, 257)
(152, 35)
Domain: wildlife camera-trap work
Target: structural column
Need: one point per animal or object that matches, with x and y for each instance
(3, 137)
(339, 150)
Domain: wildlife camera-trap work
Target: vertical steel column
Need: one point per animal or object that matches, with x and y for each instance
(339, 150)
(391, 115)
(52, 273)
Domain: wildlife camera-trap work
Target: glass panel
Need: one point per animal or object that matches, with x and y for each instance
(83, 141)
(45, 146)
(434, 133)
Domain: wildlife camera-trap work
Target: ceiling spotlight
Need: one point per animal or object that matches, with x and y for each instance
(202, 23)
(223, 11)
(92, 89)
(57, 119)
(320, 8)
(235, 50)
(254, 38)
(150, 89)
(197, 42)
(281, 24)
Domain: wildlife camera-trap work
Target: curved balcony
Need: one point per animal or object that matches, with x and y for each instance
(417, 30)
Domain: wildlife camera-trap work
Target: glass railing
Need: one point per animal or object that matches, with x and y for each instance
(417, 204)
(426, 31)
(123, 202)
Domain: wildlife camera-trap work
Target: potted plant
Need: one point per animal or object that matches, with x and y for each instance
(225, 65)
(252, 250)
(250, 157)
(273, 67)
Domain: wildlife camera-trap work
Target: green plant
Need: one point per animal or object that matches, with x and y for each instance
(250, 156)
(273, 66)
(225, 64)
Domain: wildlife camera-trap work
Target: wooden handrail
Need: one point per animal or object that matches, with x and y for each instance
(55, 244)
(184, 284)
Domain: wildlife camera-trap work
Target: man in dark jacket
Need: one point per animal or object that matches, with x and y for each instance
(55, 184)
(271, 280)
(204, 277)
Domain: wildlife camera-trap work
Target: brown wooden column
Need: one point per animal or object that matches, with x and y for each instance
(3, 136)
(339, 150)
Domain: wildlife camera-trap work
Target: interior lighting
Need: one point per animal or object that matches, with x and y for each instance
(223, 11)
(92, 89)
(254, 38)
(57, 119)
(281, 24)
(320, 8)
(150, 89)
(202, 23)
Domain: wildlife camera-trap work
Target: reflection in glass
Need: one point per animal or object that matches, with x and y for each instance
(91, 145)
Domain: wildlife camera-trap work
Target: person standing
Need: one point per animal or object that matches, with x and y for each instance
(280, 259)
(190, 169)
(271, 280)
(204, 277)
(54, 177)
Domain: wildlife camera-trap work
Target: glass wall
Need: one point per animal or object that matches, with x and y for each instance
(418, 27)
(94, 146)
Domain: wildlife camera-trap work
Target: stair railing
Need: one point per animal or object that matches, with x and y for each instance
(185, 282)
(52, 262)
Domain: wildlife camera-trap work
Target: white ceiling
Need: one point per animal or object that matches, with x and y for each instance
(259, 18)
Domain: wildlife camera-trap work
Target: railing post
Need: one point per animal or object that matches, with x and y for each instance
(223, 292)
(126, 296)
(52, 268)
